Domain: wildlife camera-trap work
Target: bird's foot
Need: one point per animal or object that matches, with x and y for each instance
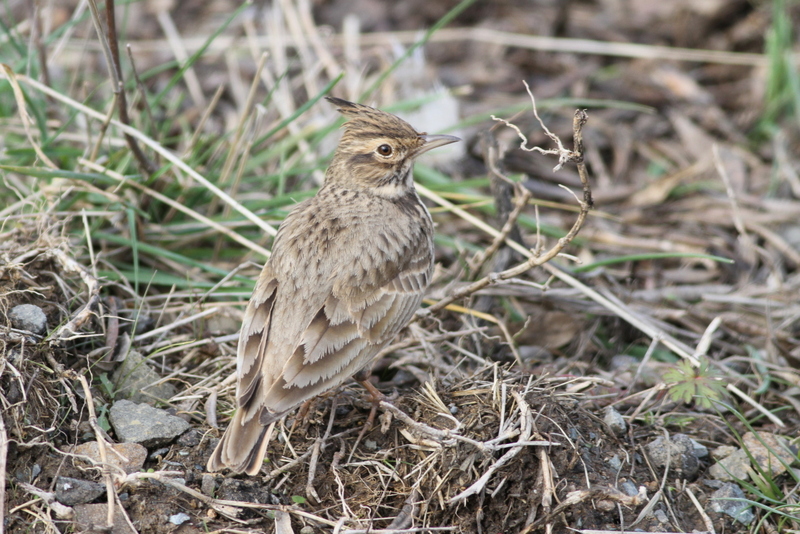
(376, 397)
(301, 415)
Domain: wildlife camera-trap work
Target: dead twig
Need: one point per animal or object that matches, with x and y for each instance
(526, 426)
(80, 317)
(577, 497)
(318, 446)
(520, 201)
(706, 520)
(226, 507)
(101, 444)
(502, 188)
(535, 260)
(110, 49)
(49, 498)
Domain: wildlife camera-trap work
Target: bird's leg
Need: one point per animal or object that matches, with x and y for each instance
(362, 377)
(302, 412)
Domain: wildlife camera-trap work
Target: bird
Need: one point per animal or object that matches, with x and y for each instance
(348, 269)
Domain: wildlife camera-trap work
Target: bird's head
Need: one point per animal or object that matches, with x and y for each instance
(377, 150)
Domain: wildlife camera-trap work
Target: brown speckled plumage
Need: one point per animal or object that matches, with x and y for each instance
(349, 267)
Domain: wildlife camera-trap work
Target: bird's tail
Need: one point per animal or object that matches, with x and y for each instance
(242, 447)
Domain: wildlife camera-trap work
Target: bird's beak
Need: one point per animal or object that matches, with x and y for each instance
(434, 141)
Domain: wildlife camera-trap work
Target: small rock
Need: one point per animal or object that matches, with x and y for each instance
(791, 234)
(208, 485)
(141, 423)
(605, 506)
(159, 454)
(92, 518)
(733, 467)
(72, 491)
(29, 318)
(404, 377)
(614, 421)
(739, 510)
(661, 516)
(624, 362)
(179, 519)
(723, 451)
(700, 450)
(130, 459)
(144, 323)
(771, 452)
(250, 490)
(629, 488)
(137, 381)
(28, 474)
(614, 462)
(680, 452)
(190, 439)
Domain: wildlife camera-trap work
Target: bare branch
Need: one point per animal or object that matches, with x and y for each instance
(534, 258)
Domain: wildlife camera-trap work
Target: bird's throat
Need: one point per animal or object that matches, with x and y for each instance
(396, 185)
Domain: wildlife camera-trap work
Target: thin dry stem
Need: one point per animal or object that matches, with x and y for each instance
(520, 203)
(534, 260)
(110, 48)
(85, 312)
(526, 423)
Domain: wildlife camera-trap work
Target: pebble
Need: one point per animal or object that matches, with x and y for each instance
(614, 421)
(137, 381)
(29, 318)
(629, 488)
(72, 491)
(143, 424)
(734, 466)
(771, 452)
(208, 485)
(130, 459)
(90, 516)
(739, 510)
(680, 451)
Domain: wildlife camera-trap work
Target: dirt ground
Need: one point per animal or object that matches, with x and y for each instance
(500, 418)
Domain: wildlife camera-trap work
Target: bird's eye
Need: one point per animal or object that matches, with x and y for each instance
(384, 150)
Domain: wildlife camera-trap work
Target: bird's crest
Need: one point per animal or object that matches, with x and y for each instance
(365, 121)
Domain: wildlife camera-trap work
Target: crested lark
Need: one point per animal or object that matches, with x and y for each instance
(348, 270)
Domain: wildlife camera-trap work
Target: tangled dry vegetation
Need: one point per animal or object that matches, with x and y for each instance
(676, 304)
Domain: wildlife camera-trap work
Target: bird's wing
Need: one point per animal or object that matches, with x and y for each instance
(341, 336)
(253, 342)
(347, 331)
